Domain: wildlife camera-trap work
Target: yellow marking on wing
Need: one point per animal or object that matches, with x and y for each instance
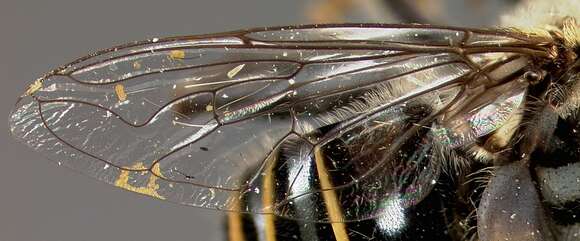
(136, 65)
(233, 72)
(155, 169)
(330, 199)
(152, 186)
(120, 91)
(268, 200)
(209, 108)
(34, 87)
(177, 54)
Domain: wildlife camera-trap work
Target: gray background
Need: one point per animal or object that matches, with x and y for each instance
(39, 200)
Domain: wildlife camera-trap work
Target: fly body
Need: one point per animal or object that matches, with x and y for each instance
(332, 132)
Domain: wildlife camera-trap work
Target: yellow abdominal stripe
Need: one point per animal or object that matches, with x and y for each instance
(34, 87)
(177, 54)
(268, 186)
(150, 189)
(334, 209)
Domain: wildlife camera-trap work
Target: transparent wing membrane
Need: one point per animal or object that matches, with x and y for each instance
(324, 123)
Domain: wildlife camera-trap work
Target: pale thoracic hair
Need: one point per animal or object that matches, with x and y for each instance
(541, 16)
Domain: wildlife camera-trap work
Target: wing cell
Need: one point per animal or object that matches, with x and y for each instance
(408, 35)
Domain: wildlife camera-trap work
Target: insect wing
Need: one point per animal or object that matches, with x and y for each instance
(184, 119)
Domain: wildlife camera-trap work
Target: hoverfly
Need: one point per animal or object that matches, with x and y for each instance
(331, 132)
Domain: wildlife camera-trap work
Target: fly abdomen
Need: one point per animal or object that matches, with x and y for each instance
(558, 177)
(557, 173)
(510, 208)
